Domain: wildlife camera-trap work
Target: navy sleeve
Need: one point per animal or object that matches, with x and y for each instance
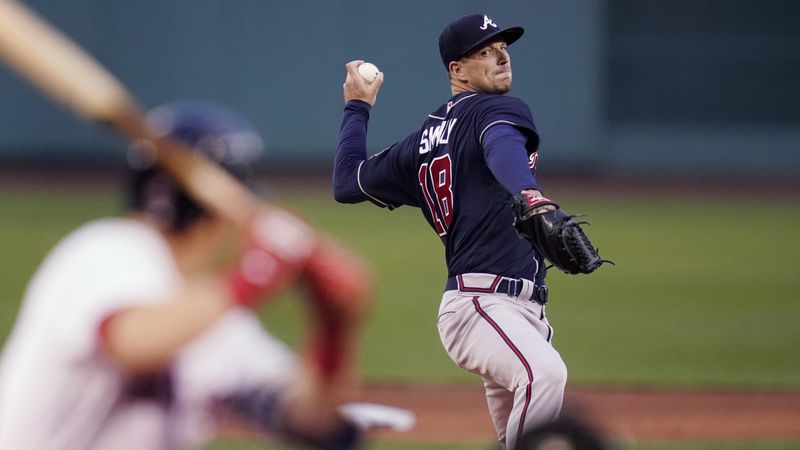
(383, 178)
(502, 109)
(351, 151)
(389, 178)
(507, 158)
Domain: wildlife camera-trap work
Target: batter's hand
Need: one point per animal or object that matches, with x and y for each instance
(357, 88)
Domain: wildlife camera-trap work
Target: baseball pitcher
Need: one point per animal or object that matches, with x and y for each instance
(470, 168)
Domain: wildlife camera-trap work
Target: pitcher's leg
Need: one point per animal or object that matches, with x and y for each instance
(538, 401)
(500, 401)
(524, 363)
(506, 342)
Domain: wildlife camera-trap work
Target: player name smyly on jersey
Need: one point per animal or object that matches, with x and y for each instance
(435, 135)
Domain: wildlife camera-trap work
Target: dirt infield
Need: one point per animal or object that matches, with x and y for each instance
(458, 413)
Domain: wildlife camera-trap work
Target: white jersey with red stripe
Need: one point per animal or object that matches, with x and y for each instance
(59, 390)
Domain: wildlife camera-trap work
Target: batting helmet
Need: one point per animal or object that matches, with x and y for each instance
(220, 134)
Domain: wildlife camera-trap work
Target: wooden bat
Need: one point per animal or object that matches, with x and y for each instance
(61, 69)
(66, 73)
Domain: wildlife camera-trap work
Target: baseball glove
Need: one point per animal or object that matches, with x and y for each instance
(555, 234)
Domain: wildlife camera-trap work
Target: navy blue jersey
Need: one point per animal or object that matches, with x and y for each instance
(441, 169)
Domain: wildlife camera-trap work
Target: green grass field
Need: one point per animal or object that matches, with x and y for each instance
(703, 294)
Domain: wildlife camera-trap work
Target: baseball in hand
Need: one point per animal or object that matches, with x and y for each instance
(368, 71)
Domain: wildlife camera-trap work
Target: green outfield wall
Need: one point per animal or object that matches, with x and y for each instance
(674, 86)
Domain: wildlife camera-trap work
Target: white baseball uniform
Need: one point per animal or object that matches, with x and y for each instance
(59, 390)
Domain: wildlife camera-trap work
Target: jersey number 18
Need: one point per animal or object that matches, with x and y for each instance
(437, 183)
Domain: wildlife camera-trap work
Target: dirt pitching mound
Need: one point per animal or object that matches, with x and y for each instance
(458, 413)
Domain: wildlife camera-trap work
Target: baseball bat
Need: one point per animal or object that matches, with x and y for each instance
(51, 61)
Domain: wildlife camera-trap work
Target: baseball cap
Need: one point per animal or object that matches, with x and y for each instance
(469, 32)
